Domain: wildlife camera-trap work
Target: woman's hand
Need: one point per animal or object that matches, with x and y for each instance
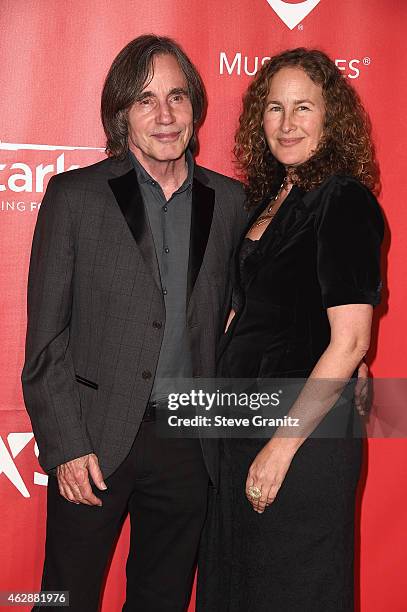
(268, 470)
(350, 334)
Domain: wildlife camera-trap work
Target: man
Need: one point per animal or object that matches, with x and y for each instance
(128, 286)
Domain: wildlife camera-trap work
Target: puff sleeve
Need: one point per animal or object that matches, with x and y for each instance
(349, 228)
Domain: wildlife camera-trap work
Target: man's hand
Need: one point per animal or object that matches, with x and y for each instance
(362, 390)
(73, 480)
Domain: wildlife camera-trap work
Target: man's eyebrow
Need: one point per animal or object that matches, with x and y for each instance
(174, 91)
(143, 95)
(178, 90)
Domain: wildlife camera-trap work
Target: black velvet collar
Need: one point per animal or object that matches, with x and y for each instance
(203, 203)
(128, 196)
(276, 230)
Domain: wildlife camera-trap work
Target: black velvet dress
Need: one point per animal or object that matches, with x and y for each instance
(322, 249)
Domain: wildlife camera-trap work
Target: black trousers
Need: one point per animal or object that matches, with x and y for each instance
(163, 484)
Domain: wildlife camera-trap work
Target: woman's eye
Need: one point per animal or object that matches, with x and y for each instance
(303, 108)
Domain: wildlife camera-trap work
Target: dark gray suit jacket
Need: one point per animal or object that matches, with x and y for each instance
(96, 313)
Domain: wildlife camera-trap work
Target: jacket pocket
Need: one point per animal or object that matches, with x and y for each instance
(86, 382)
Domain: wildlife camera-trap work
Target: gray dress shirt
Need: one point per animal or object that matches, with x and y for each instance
(170, 224)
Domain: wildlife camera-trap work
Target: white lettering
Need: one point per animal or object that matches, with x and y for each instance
(196, 421)
(338, 63)
(26, 177)
(230, 68)
(255, 68)
(184, 399)
(211, 400)
(23, 181)
(16, 442)
(243, 64)
(40, 173)
(355, 71)
(39, 479)
(286, 421)
(173, 401)
(6, 205)
(274, 399)
(2, 167)
(222, 421)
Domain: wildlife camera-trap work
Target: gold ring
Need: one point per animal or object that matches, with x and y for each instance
(254, 492)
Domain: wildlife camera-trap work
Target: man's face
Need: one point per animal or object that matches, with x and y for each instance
(161, 119)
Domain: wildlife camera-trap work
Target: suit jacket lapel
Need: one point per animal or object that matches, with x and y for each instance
(203, 202)
(127, 193)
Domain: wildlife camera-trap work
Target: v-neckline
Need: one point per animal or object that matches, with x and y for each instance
(273, 222)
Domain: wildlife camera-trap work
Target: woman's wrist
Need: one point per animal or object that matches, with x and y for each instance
(285, 443)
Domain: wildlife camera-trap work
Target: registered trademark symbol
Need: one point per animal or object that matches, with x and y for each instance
(366, 61)
(300, 27)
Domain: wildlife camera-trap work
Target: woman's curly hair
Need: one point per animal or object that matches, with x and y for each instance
(345, 148)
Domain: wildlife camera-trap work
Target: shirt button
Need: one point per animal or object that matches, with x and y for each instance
(165, 291)
(146, 374)
(166, 250)
(165, 209)
(157, 324)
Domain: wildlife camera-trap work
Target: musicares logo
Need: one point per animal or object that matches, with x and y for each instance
(292, 14)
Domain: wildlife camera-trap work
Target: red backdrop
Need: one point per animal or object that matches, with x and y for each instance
(54, 57)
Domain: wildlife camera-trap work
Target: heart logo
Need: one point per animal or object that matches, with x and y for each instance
(292, 14)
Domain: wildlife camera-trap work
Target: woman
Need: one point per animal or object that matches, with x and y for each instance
(279, 536)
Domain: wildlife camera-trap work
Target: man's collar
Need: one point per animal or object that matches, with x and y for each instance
(144, 177)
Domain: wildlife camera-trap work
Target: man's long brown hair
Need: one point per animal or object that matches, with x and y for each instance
(130, 72)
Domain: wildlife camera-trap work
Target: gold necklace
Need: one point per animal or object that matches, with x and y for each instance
(269, 214)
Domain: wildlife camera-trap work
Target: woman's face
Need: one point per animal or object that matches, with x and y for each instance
(294, 116)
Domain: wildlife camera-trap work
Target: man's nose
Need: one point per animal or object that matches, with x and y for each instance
(165, 113)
